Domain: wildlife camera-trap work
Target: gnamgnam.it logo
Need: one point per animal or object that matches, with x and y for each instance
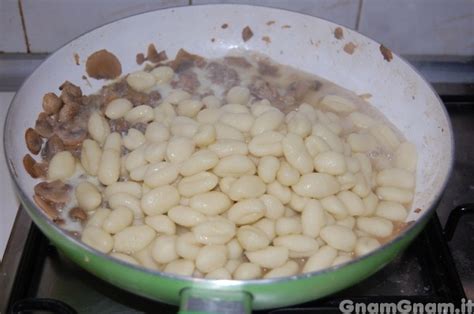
(406, 306)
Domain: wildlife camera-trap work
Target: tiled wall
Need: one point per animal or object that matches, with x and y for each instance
(409, 27)
(12, 37)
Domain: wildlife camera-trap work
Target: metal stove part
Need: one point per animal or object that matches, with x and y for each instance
(41, 304)
(454, 217)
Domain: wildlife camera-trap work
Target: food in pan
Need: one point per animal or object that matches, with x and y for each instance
(231, 168)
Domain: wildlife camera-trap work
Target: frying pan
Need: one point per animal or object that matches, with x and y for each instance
(301, 41)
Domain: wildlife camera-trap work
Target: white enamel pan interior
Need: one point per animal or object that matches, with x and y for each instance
(301, 41)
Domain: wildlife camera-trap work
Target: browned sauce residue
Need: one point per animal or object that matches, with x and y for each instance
(140, 58)
(266, 68)
(386, 53)
(224, 26)
(103, 64)
(185, 60)
(247, 33)
(350, 47)
(237, 61)
(314, 43)
(338, 33)
(154, 56)
(398, 228)
(286, 26)
(162, 56)
(365, 96)
(418, 210)
(270, 23)
(78, 213)
(87, 80)
(267, 39)
(76, 58)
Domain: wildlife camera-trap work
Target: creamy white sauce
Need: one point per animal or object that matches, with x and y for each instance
(286, 76)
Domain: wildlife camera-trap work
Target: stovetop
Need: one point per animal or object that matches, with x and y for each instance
(434, 268)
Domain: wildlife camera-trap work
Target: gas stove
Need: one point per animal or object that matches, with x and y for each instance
(437, 267)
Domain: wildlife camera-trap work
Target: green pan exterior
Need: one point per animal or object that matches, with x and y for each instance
(266, 293)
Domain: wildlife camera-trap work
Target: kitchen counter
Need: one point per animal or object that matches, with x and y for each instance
(10, 203)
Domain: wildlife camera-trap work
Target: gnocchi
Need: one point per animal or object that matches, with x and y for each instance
(228, 176)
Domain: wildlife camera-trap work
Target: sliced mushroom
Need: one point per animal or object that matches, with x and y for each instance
(33, 141)
(78, 213)
(71, 134)
(247, 33)
(68, 112)
(44, 125)
(41, 169)
(299, 88)
(53, 146)
(51, 103)
(140, 58)
(54, 191)
(103, 64)
(154, 56)
(48, 208)
(29, 164)
(113, 91)
(70, 88)
(185, 60)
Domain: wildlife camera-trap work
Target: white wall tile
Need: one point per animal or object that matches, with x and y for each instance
(12, 38)
(339, 11)
(52, 23)
(422, 27)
